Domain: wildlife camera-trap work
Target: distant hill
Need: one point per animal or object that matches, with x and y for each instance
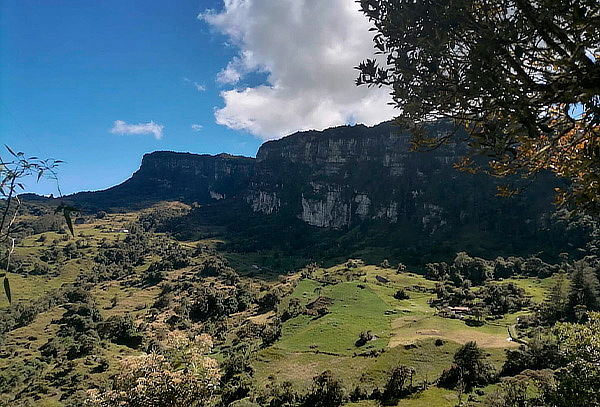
(333, 179)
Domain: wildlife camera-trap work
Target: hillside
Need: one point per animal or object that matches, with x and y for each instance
(337, 265)
(129, 286)
(334, 179)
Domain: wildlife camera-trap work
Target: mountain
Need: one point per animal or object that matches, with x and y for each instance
(340, 179)
(350, 174)
(166, 175)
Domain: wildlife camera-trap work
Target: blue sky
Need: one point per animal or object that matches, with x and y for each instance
(70, 69)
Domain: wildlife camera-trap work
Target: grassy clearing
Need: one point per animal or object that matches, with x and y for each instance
(537, 288)
(354, 310)
(432, 397)
(405, 330)
(409, 329)
(26, 287)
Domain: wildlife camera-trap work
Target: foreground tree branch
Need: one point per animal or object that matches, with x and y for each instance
(521, 76)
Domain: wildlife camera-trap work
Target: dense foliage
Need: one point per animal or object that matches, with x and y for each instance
(520, 76)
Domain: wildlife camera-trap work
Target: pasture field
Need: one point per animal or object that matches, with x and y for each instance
(405, 332)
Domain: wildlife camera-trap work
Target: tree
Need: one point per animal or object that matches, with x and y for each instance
(585, 288)
(555, 307)
(182, 377)
(529, 389)
(327, 391)
(470, 368)
(522, 77)
(363, 338)
(578, 383)
(398, 383)
(541, 352)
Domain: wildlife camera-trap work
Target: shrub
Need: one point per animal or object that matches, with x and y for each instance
(121, 330)
(363, 338)
(470, 368)
(183, 377)
(326, 391)
(399, 382)
(401, 294)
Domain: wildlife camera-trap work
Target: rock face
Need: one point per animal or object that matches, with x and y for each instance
(166, 175)
(345, 175)
(338, 178)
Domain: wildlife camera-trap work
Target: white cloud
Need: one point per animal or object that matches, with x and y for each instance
(308, 49)
(199, 87)
(197, 127)
(121, 127)
(231, 74)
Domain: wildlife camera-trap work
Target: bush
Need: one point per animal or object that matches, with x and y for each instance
(269, 301)
(271, 332)
(122, 331)
(40, 269)
(401, 294)
(153, 275)
(399, 383)
(470, 368)
(182, 377)
(363, 338)
(541, 352)
(293, 309)
(326, 391)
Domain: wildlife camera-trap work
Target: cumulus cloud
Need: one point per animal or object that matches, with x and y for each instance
(308, 49)
(197, 127)
(121, 127)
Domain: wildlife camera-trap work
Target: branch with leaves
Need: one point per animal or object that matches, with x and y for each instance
(13, 171)
(521, 76)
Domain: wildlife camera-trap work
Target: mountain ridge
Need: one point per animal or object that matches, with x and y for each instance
(336, 178)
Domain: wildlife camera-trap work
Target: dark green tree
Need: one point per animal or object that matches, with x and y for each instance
(557, 301)
(585, 288)
(327, 391)
(399, 382)
(522, 77)
(470, 368)
(578, 382)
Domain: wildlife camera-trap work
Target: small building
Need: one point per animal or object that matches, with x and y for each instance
(459, 312)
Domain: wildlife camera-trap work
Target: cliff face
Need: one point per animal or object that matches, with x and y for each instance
(166, 175)
(202, 178)
(347, 175)
(335, 179)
